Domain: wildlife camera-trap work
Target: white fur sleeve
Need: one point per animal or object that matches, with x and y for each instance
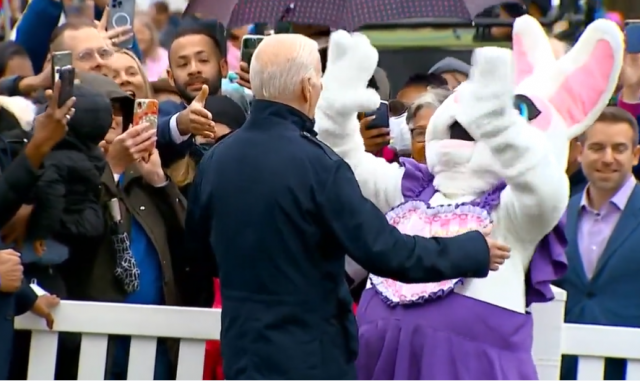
(537, 190)
(380, 181)
(351, 61)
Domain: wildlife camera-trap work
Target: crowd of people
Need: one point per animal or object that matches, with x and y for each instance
(95, 208)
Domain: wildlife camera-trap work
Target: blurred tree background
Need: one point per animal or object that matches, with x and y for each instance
(629, 8)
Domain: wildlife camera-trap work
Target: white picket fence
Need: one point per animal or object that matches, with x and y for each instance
(593, 343)
(95, 321)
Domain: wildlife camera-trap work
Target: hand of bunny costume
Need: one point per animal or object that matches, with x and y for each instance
(487, 96)
(350, 64)
(537, 188)
(351, 61)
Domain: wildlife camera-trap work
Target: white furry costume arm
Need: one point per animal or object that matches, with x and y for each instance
(379, 181)
(351, 63)
(537, 188)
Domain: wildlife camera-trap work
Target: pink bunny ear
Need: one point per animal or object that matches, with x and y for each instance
(531, 48)
(584, 80)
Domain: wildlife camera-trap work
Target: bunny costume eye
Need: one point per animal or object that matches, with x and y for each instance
(525, 106)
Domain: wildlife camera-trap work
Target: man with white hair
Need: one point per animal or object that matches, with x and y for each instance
(275, 210)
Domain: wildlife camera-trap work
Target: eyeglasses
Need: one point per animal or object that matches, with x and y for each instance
(418, 134)
(88, 55)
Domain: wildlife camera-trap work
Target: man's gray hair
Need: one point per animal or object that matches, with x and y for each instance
(272, 76)
(432, 99)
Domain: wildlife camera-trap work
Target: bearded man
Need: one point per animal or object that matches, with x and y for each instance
(197, 64)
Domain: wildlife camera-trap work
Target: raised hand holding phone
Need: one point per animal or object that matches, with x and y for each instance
(249, 45)
(117, 22)
(195, 119)
(131, 146)
(374, 128)
(51, 126)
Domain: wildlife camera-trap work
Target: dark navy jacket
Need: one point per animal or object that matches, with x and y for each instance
(169, 151)
(274, 210)
(610, 297)
(16, 184)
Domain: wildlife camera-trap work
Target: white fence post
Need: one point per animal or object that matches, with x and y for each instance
(548, 320)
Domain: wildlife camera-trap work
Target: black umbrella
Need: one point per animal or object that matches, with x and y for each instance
(211, 9)
(352, 14)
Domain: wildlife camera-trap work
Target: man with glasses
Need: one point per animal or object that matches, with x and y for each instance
(90, 53)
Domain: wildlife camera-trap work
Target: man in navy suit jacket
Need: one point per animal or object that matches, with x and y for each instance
(603, 223)
(171, 148)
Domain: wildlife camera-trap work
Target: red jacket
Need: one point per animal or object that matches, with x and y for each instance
(212, 355)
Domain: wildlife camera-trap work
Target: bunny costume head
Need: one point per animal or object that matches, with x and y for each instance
(559, 98)
(496, 153)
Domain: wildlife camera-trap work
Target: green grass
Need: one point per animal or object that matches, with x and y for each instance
(427, 37)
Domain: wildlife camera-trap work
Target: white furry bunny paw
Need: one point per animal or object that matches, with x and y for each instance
(487, 96)
(351, 62)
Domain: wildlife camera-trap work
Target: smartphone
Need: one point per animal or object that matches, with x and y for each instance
(380, 116)
(122, 13)
(58, 61)
(146, 111)
(249, 44)
(67, 80)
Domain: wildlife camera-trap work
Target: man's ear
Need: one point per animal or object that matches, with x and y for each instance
(224, 68)
(579, 149)
(636, 155)
(305, 89)
(170, 77)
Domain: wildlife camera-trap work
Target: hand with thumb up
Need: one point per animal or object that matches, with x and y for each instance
(196, 120)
